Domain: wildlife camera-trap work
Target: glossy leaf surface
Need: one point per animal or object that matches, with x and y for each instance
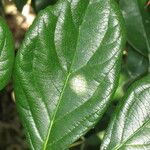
(130, 127)
(137, 20)
(67, 70)
(6, 54)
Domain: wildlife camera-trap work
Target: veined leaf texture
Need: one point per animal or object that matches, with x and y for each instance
(67, 70)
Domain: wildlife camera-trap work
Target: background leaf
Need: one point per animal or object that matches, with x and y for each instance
(1, 9)
(67, 70)
(136, 64)
(6, 54)
(40, 4)
(129, 128)
(137, 20)
(20, 4)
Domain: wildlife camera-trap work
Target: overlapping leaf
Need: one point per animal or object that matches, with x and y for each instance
(137, 20)
(6, 54)
(136, 64)
(130, 127)
(67, 70)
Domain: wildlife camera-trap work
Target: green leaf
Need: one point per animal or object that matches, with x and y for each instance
(67, 70)
(136, 64)
(137, 20)
(134, 67)
(40, 4)
(6, 54)
(120, 90)
(20, 4)
(129, 128)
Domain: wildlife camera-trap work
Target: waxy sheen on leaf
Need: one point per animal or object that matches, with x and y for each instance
(130, 127)
(6, 54)
(67, 70)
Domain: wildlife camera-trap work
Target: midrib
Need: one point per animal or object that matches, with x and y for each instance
(51, 124)
(124, 142)
(64, 86)
(61, 95)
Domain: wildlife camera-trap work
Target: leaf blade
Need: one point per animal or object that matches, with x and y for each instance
(130, 120)
(56, 41)
(137, 20)
(6, 54)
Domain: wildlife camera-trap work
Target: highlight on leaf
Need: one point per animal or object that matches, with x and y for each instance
(67, 70)
(6, 54)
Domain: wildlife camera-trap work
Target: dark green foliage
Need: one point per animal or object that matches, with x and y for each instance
(137, 20)
(67, 70)
(6, 54)
(41, 4)
(20, 4)
(129, 128)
